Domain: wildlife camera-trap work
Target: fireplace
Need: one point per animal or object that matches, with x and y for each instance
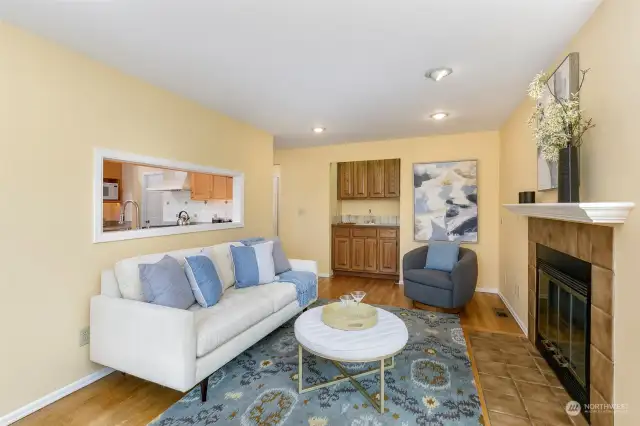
(563, 320)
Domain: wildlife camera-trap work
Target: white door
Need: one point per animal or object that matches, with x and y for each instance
(152, 200)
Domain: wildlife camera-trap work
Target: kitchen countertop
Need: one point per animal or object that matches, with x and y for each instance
(111, 226)
(367, 226)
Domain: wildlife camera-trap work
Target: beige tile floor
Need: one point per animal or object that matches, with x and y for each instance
(518, 386)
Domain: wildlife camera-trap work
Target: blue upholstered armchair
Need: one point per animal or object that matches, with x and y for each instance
(438, 288)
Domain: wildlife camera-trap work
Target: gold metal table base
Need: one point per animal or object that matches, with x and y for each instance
(352, 378)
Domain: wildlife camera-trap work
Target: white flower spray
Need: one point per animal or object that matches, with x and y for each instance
(559, 123)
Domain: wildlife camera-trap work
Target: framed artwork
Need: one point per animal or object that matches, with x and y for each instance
(563, 82)
(445, 201)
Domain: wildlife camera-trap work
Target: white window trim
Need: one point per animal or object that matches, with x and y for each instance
(101, 154)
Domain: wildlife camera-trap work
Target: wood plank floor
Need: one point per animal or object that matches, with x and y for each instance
(125, 400)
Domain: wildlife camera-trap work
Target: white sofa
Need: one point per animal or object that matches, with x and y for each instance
(180, 348)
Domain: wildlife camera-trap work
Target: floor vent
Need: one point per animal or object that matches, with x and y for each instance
(501, 313)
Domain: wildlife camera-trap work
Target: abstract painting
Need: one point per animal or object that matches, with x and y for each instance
(445, 201)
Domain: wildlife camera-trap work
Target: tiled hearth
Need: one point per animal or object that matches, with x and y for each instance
(518, 386)
(592, 244)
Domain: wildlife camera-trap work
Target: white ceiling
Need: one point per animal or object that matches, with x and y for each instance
(353, 66)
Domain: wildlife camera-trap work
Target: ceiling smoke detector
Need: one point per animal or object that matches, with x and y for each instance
(438, 74)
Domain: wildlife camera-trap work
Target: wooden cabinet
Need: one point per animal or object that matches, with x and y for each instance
(345, 181)
(211, 187)
(360, 179)
(201, 186)
(388, 251)
(371, 255)
(341, 253)
(392, 178)
(375, 170)
(229, 188)
(369, 179)
(357, 254)
(369, 251)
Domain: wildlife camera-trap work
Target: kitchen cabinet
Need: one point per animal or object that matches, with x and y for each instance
(341, 255)
(211, 187)
(375, 171)
(369, 179)
(369, 251)
(392, 178)
(345, 181)
(388, 252)
(360, 179)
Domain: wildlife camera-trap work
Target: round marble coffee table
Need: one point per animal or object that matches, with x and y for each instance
(378, 343)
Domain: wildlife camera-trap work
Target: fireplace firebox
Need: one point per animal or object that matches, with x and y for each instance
(563, 321)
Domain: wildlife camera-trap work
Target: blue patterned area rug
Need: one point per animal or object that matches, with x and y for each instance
(432, 384)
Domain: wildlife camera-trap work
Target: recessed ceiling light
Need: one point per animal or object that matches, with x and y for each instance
(318, 129)
(439, 115)
(438, 74)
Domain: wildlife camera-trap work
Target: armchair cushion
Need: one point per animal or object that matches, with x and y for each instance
(430, 277)
(442, 255)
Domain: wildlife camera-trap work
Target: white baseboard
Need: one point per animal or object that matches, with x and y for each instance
(324, 275)
(515, 316)
(53, 397)
(487, 290)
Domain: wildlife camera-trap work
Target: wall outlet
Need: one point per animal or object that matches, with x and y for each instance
(84, 336)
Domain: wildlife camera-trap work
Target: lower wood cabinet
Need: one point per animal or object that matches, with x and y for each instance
(388, 256)
(341, 253)
(365, 250)
(357, 254)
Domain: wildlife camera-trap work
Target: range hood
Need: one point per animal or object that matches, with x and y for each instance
(173, 181)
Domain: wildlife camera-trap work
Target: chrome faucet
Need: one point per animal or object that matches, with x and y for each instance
(124, 207)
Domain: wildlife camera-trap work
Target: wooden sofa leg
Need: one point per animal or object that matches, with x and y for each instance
(204, 385)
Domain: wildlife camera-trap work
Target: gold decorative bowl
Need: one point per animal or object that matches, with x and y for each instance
(351, 318)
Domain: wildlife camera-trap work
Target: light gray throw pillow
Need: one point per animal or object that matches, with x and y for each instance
(280, 260)
(165, 283)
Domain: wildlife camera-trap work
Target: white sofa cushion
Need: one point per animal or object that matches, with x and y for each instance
(238, 310)
(128, 274)
(221, 256)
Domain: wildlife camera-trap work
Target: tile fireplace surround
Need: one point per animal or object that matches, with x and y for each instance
(594, 244)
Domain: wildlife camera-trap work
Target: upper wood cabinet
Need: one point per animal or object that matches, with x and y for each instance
(345, 181)
(369, 179)
(360, 179)
(392, 178)
(111, 170)
(211, 187)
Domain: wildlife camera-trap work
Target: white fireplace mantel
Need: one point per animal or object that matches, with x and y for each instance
(597, 213)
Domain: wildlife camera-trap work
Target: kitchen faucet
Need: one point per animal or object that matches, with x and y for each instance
(124, 207)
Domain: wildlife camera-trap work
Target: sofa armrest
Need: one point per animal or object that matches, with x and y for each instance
(304, 265)
(153, 342)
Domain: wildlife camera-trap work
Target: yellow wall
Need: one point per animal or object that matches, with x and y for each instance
(306, 187)
(608, 44)
(55, 107)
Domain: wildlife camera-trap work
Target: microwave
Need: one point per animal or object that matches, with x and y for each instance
(109, 191)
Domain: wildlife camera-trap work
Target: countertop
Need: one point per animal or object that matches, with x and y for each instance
(355, 225)
(111, 226)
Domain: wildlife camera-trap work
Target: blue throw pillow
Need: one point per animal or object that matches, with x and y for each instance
(253, 265)
(442, 255)
(164, 283)
(204, 280)
(280, 262)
